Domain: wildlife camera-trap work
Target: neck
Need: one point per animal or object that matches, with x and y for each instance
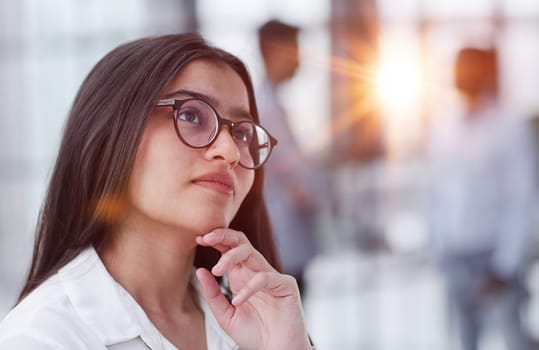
(153, 263)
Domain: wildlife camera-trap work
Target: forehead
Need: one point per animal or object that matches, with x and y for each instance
(214, 79)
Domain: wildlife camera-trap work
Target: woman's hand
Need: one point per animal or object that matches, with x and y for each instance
(265, 312)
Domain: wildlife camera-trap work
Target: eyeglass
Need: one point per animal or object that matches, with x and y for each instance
(198, 124)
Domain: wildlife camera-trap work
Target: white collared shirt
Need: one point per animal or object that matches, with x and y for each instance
(82, 307)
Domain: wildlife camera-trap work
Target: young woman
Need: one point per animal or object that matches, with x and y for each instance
(158, 181)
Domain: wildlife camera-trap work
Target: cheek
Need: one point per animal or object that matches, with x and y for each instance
(155, 170)
(141, 177)
(246, 180)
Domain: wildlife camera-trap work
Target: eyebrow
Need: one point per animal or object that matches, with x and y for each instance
(234, 111)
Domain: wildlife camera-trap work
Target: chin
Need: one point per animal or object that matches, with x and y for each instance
(202, 219)
(212, 223)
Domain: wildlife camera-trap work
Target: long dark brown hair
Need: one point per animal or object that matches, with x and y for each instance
(98, 148)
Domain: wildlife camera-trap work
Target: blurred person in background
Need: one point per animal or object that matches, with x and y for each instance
(481, 205)
(158, 180)
(294, 186)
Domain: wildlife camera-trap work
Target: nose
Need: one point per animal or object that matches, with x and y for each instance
(224, 147)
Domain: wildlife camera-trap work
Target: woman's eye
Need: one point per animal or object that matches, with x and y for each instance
(190, 116)
(242, 135)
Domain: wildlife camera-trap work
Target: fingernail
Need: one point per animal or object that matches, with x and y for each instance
(218, 267)
(210, 235)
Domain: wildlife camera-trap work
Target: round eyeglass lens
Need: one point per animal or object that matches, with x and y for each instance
(196, 123)
(253, 143)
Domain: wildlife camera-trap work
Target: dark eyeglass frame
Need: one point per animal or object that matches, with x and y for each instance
(176, 105)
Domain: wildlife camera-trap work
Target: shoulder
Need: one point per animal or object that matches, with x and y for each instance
(45, 319)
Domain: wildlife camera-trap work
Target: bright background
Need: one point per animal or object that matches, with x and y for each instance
(376, 300)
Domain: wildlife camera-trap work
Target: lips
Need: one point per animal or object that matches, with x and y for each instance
(218, 182)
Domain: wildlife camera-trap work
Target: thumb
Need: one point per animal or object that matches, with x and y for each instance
(219, 305)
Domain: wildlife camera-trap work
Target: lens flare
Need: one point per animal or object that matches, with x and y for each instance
(398, 83)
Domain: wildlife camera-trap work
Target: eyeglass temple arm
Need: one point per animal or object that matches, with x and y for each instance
(168, 102)
(273, 141)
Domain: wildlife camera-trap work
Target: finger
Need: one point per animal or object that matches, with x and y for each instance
(220, 307)
(273, 283)
(206, 242)
(223, 239)
(232, 258)
(244, 254)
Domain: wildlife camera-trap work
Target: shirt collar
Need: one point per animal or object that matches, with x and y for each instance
(94, 296)
(109, 310)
